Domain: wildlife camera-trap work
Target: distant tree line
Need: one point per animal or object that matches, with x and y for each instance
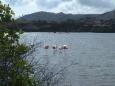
(82, 25)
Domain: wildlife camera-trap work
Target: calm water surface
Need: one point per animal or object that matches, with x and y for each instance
(94, 54)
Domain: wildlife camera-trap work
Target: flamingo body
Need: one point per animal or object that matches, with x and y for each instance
(54, 47)
(65, 47)
(46, 46)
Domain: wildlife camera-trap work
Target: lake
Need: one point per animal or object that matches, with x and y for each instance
(92, 53)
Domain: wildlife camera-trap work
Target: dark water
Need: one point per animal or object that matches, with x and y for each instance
(94, 54)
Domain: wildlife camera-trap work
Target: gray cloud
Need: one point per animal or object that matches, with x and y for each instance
(16, 2)
(45, 3)
(98, 3)
(66, 6)
(49, 4)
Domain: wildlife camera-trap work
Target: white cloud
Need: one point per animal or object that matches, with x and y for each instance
(77, 8)
(67, 6)
(25, 9)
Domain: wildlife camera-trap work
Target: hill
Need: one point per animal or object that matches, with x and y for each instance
(60, 22)
(49, 17)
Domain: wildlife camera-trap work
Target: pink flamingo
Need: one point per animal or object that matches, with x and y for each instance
(54, 47)
(65, 47)
(46, 46)
(60, 48)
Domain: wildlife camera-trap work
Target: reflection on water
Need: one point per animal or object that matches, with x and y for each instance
(94, 54)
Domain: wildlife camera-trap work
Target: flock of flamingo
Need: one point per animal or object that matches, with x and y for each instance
(46, 46)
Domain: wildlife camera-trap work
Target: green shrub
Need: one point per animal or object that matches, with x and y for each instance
(14, 70)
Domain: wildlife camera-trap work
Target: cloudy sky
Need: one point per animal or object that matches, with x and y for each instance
(22, 7)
